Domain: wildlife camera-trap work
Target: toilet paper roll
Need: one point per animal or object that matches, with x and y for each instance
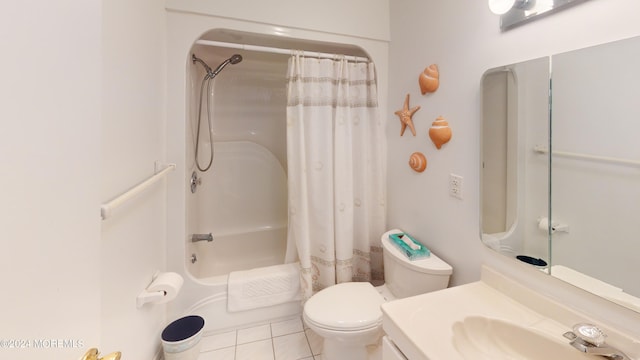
(543, 224)
(169, 283)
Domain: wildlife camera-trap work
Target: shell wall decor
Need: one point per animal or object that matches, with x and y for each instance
(429, 79)
(440, 132)
(405, 115)
(418, 162)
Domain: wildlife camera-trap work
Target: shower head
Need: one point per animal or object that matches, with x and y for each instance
(234, 59)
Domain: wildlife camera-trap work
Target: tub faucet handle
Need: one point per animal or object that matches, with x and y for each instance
(195, 182)
(202, 237)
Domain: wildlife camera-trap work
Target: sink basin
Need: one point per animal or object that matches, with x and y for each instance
(478, 337)
(496, 318)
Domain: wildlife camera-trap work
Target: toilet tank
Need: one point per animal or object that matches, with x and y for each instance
(404, 277)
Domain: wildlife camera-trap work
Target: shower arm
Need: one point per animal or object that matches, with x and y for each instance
(195, 59)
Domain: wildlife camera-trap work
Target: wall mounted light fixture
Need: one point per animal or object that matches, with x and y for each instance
(517, 12)
(500, 7)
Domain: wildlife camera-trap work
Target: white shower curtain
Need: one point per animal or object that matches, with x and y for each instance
(336, 171)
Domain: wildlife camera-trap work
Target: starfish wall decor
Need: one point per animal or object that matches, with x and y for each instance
(405, 116)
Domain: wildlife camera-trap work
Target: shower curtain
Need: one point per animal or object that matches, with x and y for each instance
(336, 171)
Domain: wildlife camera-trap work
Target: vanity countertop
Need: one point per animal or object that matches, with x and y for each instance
(422, 326)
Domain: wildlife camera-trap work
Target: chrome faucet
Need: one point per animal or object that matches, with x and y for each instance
(590, 339)
(201, 237)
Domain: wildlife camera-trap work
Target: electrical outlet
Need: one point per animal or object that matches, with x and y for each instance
(455, 186)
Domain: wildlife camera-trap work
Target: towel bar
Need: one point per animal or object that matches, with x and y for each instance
(543, 150)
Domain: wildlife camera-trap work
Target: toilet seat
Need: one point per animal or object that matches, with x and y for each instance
(312, 323)
(352, 306)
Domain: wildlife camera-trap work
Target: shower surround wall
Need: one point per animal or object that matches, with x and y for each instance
(183, 30)
(242, 198)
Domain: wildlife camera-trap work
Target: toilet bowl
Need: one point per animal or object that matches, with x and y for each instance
(348, 317)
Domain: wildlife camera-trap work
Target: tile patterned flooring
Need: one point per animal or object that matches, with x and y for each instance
(283, 340)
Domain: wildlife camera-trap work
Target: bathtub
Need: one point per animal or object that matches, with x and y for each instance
(242, 202)
(265, 247)
(213, 308)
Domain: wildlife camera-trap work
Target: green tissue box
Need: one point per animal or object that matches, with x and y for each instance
(409, 246)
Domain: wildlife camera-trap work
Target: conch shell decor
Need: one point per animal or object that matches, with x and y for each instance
(440, 132)
(429, 80)
(418, 162)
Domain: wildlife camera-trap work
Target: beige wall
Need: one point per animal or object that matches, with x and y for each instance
(133, 138)
(464, 39)
(50, 147)
(362, 18)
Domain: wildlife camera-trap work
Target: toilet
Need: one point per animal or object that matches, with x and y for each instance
(348, 316)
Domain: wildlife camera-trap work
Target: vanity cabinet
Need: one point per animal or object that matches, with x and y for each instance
(390, 351)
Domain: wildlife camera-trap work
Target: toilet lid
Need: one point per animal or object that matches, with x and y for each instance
(347, 307)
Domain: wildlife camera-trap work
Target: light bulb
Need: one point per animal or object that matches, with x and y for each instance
(500, 7)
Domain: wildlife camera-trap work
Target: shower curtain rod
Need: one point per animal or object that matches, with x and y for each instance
(279, 50)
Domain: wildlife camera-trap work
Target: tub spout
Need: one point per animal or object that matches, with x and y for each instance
(201, 237)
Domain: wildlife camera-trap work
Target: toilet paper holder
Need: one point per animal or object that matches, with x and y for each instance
(543, 224)
(163, 288)
(149, 296)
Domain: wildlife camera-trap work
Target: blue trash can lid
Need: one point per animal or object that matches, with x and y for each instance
(183, 328)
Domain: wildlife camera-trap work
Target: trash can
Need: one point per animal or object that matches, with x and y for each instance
(181, 338)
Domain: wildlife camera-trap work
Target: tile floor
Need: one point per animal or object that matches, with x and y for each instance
(283, 340)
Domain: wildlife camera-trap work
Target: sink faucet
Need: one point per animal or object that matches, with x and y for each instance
(590, 339)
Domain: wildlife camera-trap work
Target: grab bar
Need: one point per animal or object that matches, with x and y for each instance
(543, 150)
(107, 208)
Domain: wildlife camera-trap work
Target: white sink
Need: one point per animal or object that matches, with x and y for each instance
(479, 337)
(495, 318)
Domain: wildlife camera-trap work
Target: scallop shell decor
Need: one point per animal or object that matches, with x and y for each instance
(440, 132)
(418, 162)
(429, 80)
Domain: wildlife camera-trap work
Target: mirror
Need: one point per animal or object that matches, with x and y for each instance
(588, 184)
(514, 180)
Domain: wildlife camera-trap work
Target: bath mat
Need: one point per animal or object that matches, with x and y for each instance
(261, 287)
